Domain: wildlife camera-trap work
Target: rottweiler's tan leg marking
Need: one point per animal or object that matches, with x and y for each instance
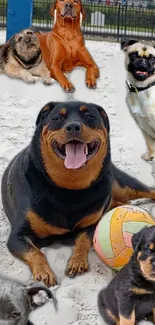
(140, 291)
(78, 263)
(41, 228)
(128, 321)
(115, 204)
(34, 257)
(125, 194)
(14, 71)
(39, 266)
(90, 220)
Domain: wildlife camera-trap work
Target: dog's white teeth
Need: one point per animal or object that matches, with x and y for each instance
(86, 149)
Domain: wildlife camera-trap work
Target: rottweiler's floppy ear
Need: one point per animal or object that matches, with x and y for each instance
(104, 117)
(136, 239)
(45, 111)
(83, 12)
(126, 43)
(52, 9)
(39, 294)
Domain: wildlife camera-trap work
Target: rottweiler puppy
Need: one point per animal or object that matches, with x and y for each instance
(62, 183)
(130, 296)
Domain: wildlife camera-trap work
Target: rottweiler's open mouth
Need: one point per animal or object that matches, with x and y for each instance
(75, 153)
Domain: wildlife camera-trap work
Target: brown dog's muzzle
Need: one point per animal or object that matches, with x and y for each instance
(68, 10)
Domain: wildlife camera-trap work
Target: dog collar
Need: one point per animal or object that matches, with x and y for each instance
(135, 89)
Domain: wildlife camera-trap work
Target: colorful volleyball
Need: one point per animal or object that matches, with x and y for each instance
(112, 238)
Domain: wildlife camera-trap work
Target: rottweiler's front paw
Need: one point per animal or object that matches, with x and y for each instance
(77, 266)
(44, 274)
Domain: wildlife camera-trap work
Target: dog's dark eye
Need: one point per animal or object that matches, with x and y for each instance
(147, 250)
(14, 315)
(152, 59)
(89, 116)
(19, 39)
(29, 33)
(57, 118)
(133, 55)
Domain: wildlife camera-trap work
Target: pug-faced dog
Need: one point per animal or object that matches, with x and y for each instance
(140, 65)
(17, 300)
(21, 58)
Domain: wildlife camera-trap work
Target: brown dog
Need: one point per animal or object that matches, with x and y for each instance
(63, 48)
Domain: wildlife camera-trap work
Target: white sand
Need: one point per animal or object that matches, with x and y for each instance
(19, 105)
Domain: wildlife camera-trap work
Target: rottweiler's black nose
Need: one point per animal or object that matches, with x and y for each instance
(73, 128)
(69, 5)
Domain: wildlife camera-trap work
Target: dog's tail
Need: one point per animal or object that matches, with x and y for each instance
(126, 188)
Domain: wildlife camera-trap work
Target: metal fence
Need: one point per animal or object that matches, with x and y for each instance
(105, 19)
(3, 9)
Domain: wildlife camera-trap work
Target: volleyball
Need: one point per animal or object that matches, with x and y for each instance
(112, 238)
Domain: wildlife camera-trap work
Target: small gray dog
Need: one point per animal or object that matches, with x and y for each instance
(17, 300)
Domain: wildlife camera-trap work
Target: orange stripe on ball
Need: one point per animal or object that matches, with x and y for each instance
(121, 259)
(117, 242)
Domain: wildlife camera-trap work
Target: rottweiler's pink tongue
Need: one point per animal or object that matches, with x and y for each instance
(75, 155)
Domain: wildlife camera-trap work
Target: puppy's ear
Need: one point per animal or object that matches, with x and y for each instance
(126, 43)
(83, 13)
(104, 117)
(45, 111)
(39, 294)
(52, 9)
(137, 238)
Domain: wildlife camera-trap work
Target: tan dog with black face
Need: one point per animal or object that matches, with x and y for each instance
(21, 58)
(140, 64)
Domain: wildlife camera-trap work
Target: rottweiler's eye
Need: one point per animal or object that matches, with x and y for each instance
(14, 315)
(147, 250)
(57, 118)
(19, 39)
(89, 116)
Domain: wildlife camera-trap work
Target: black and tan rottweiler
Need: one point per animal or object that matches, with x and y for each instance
(130, 296)
(62, 183)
